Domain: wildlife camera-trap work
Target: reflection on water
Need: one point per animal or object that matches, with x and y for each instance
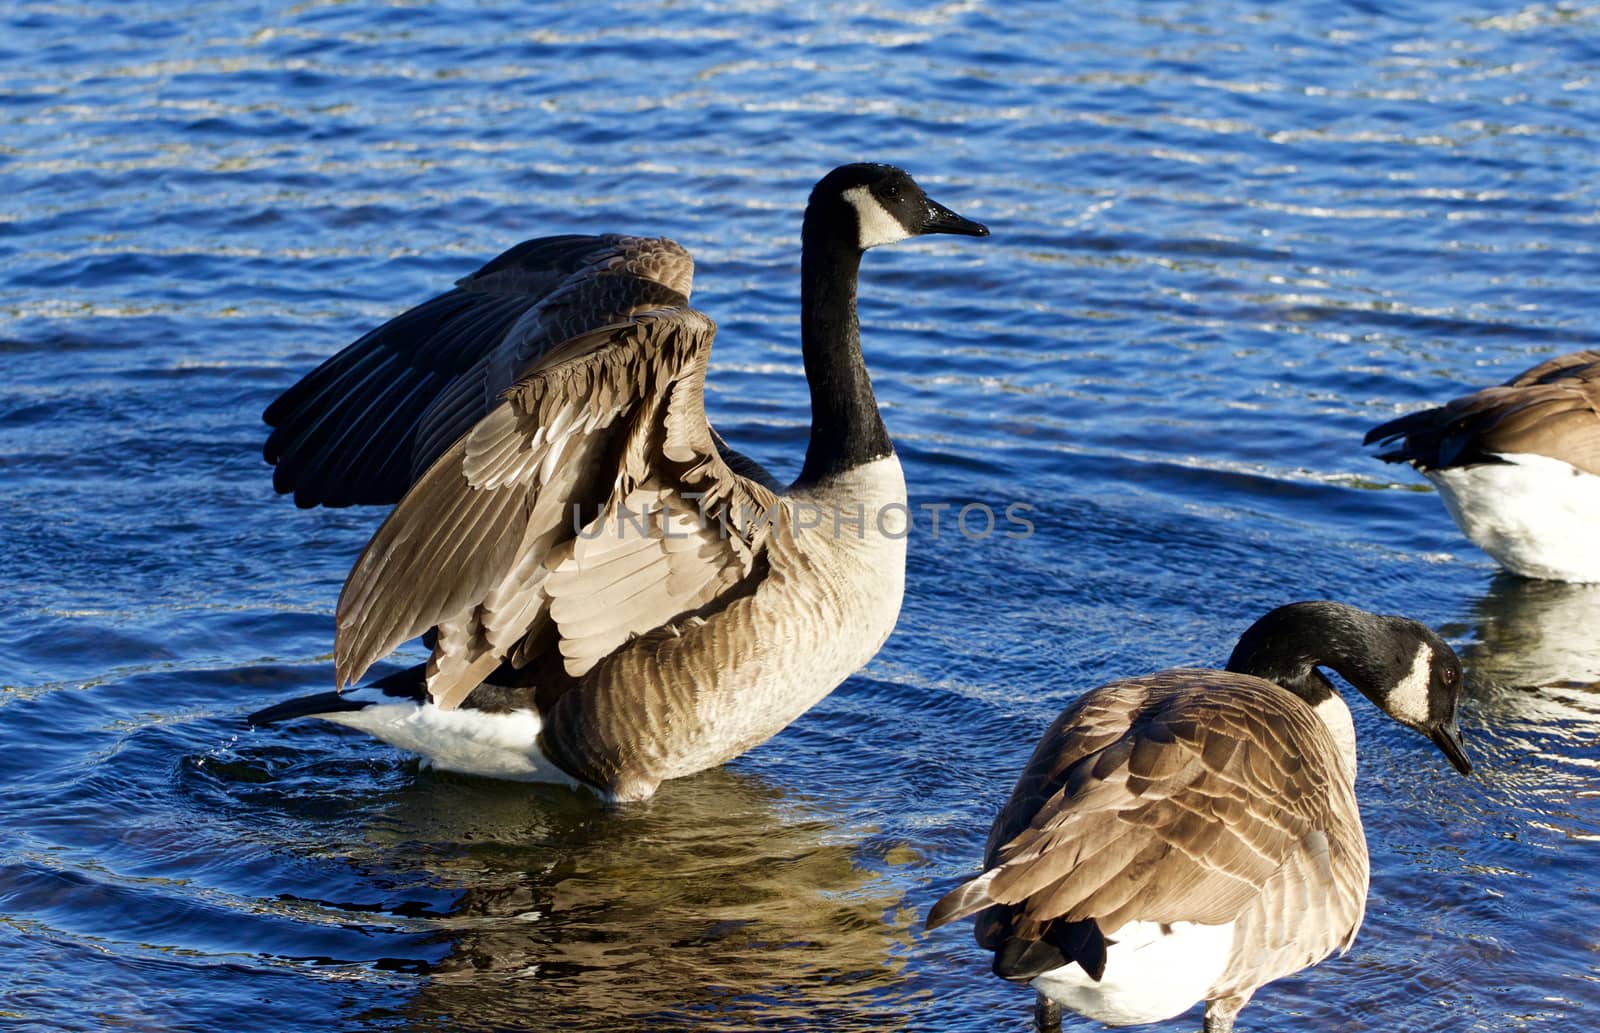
(1533, 663)
(1534, 685)
(1532, 634)
(717, 896)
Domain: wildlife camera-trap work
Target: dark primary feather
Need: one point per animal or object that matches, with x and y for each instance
(362, 426)
(406, 684)
(1020, 959)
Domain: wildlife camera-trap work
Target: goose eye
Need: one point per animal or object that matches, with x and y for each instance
(892, 191)
(1448, 676)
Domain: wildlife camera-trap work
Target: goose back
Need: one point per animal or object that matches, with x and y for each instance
(1551, 410)
(1234, 796)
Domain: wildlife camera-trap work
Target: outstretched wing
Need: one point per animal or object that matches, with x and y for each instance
(1551, 410)
(361, 427)
(1157, 800)
(591, 505)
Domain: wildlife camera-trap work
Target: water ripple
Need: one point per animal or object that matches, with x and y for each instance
(1227, 239)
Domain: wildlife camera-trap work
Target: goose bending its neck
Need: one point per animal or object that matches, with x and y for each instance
(1192, 835)
(566, 378)
(1288, 645)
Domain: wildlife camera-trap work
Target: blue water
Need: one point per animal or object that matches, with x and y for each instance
(1228, 237)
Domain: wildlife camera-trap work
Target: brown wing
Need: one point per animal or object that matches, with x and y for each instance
(1185, 796)
(361, 427)
(573, 509)
(1551, 410)
(1584, 365)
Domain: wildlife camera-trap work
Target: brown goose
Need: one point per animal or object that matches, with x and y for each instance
(613, 597)
(1193, 835)
(1517, 466)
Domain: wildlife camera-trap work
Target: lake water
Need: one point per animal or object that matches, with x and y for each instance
(1228, 238)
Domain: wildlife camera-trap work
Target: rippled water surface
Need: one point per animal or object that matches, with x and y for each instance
(1228, 237)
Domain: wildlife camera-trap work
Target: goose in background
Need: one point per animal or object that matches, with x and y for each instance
(1193, 834)
(610, 595)
(1518, 466)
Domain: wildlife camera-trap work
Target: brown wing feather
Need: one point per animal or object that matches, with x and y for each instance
(1551, 410)
(1181, 796)
(475, 547)
(364, 425)
(1560, 419)
(1310, 907)
(1580, 365)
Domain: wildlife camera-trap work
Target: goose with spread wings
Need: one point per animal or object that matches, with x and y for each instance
(611, 596)
(1517, 466)
(1192, 835)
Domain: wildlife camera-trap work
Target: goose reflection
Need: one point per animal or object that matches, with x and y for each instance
(1534, 678)
(1532, 634)
(720, 896)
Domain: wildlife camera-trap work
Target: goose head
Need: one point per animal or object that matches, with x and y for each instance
(881, 204)
(1416, 679)
(1409, 672)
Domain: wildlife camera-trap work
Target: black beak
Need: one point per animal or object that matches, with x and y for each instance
(1448, 738)
(942, 220)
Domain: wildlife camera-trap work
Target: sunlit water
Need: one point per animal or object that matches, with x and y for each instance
(1228, 238)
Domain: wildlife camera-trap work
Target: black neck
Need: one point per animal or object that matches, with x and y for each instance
(846, 430)
(1290, 643)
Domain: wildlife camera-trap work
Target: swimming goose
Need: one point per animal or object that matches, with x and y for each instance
(1518, 466)
(612, 597)
(1193, 834)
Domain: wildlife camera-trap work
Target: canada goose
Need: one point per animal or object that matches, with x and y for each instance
(1518, 466)
(616, 598)
(1193, 835)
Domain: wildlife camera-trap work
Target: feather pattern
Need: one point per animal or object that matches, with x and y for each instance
(1210, 786)
(1188, 796)
(1550, 410)
(484, 542)
(363, 426)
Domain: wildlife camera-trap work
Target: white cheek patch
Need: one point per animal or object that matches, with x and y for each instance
(877, 225)
(1408, 700)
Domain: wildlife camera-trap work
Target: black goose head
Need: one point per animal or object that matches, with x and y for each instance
(1401, 665)
(1416, 679)
(882, 204)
